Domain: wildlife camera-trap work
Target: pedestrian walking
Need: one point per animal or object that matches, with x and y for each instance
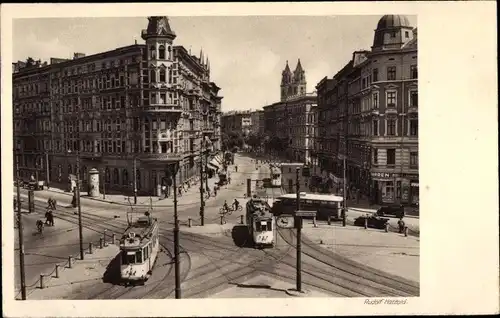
(401, 225)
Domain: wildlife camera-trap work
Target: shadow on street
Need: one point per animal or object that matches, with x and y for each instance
(241, 237)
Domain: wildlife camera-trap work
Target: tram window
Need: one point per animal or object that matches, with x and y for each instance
(149, 248)
(127, 258)
(269, 226)
(257, 226)
(138, 255)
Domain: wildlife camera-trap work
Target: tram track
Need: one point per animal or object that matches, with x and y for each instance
(374, 282)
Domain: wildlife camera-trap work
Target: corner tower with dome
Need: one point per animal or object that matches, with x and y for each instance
(375, 118)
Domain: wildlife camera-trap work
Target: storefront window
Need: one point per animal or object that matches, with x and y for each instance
(388, 191)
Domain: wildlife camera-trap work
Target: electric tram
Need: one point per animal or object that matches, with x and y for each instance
(260, 222)
(139, 247)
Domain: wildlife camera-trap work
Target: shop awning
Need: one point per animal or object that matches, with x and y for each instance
(218, 160)
(213, 165)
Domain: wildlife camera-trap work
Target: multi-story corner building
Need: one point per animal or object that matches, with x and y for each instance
(369, 114)
(293, 118)
(237, 121)
(146, 105)
(257, 122)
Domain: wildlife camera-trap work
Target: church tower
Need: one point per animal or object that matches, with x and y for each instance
(286, 81)
(293, 84)
(299, 79)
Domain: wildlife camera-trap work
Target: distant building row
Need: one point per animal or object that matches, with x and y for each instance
(367, 113)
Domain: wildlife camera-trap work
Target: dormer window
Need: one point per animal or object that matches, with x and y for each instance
(407, 34)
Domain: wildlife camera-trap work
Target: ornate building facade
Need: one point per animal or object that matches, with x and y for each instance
(147, 106)
(237, 121)
(293, 119)
(368, 113)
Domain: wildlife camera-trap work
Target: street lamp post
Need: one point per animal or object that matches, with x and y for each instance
(77, 194)
(135, 180)
(20, 232)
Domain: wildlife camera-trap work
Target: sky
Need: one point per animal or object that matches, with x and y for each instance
(247, 53)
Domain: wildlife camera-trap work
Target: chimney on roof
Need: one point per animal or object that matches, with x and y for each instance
(135, 40)
(78, 55)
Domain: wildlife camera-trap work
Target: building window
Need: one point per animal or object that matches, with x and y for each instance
(115, 176)
(375, 156)
(391, 73)
(414, 127)
(161, 52)
(407, 34)
(391, 127)
(398, 189)
(375, 74)
(391, 157)
(375, 127)
(391, 99)
(152, 76)
(163, 75)
(413, 98)
(413, 72)
(413, 160)
(375, 100)
(152, 51)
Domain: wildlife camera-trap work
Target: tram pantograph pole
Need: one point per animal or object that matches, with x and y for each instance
(176, 238)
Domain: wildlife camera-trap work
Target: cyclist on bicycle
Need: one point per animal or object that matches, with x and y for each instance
(236, 204)
(225, 206)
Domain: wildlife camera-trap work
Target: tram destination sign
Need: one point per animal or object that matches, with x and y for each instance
(302, 213)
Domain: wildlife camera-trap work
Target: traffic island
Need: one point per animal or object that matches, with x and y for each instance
(75, 276)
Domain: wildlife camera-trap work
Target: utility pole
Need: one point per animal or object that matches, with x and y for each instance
(103, 183)
(176, 238)
(80, 228)
(298, 222)
(206, 169)
(202, 202)
(344, 208)
(20, 232)
(135, 180)
(47, 178)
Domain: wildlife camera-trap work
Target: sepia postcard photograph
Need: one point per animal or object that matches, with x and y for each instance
(248, 156)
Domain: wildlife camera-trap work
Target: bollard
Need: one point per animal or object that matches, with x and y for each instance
(221, 220)
(70, 262)
(387, 227)
(91, 250)
(241, 219)
(42, 283)
(366, 223)
(190, 222)
(101, 242)
(314, 222)
(406, 231)
(57, 270)
(329, 220)
(105, 241)
(113, 238)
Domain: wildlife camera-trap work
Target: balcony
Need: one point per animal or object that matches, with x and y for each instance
(163, 108)
(163, 157)
(412, 110)
(391, 110)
